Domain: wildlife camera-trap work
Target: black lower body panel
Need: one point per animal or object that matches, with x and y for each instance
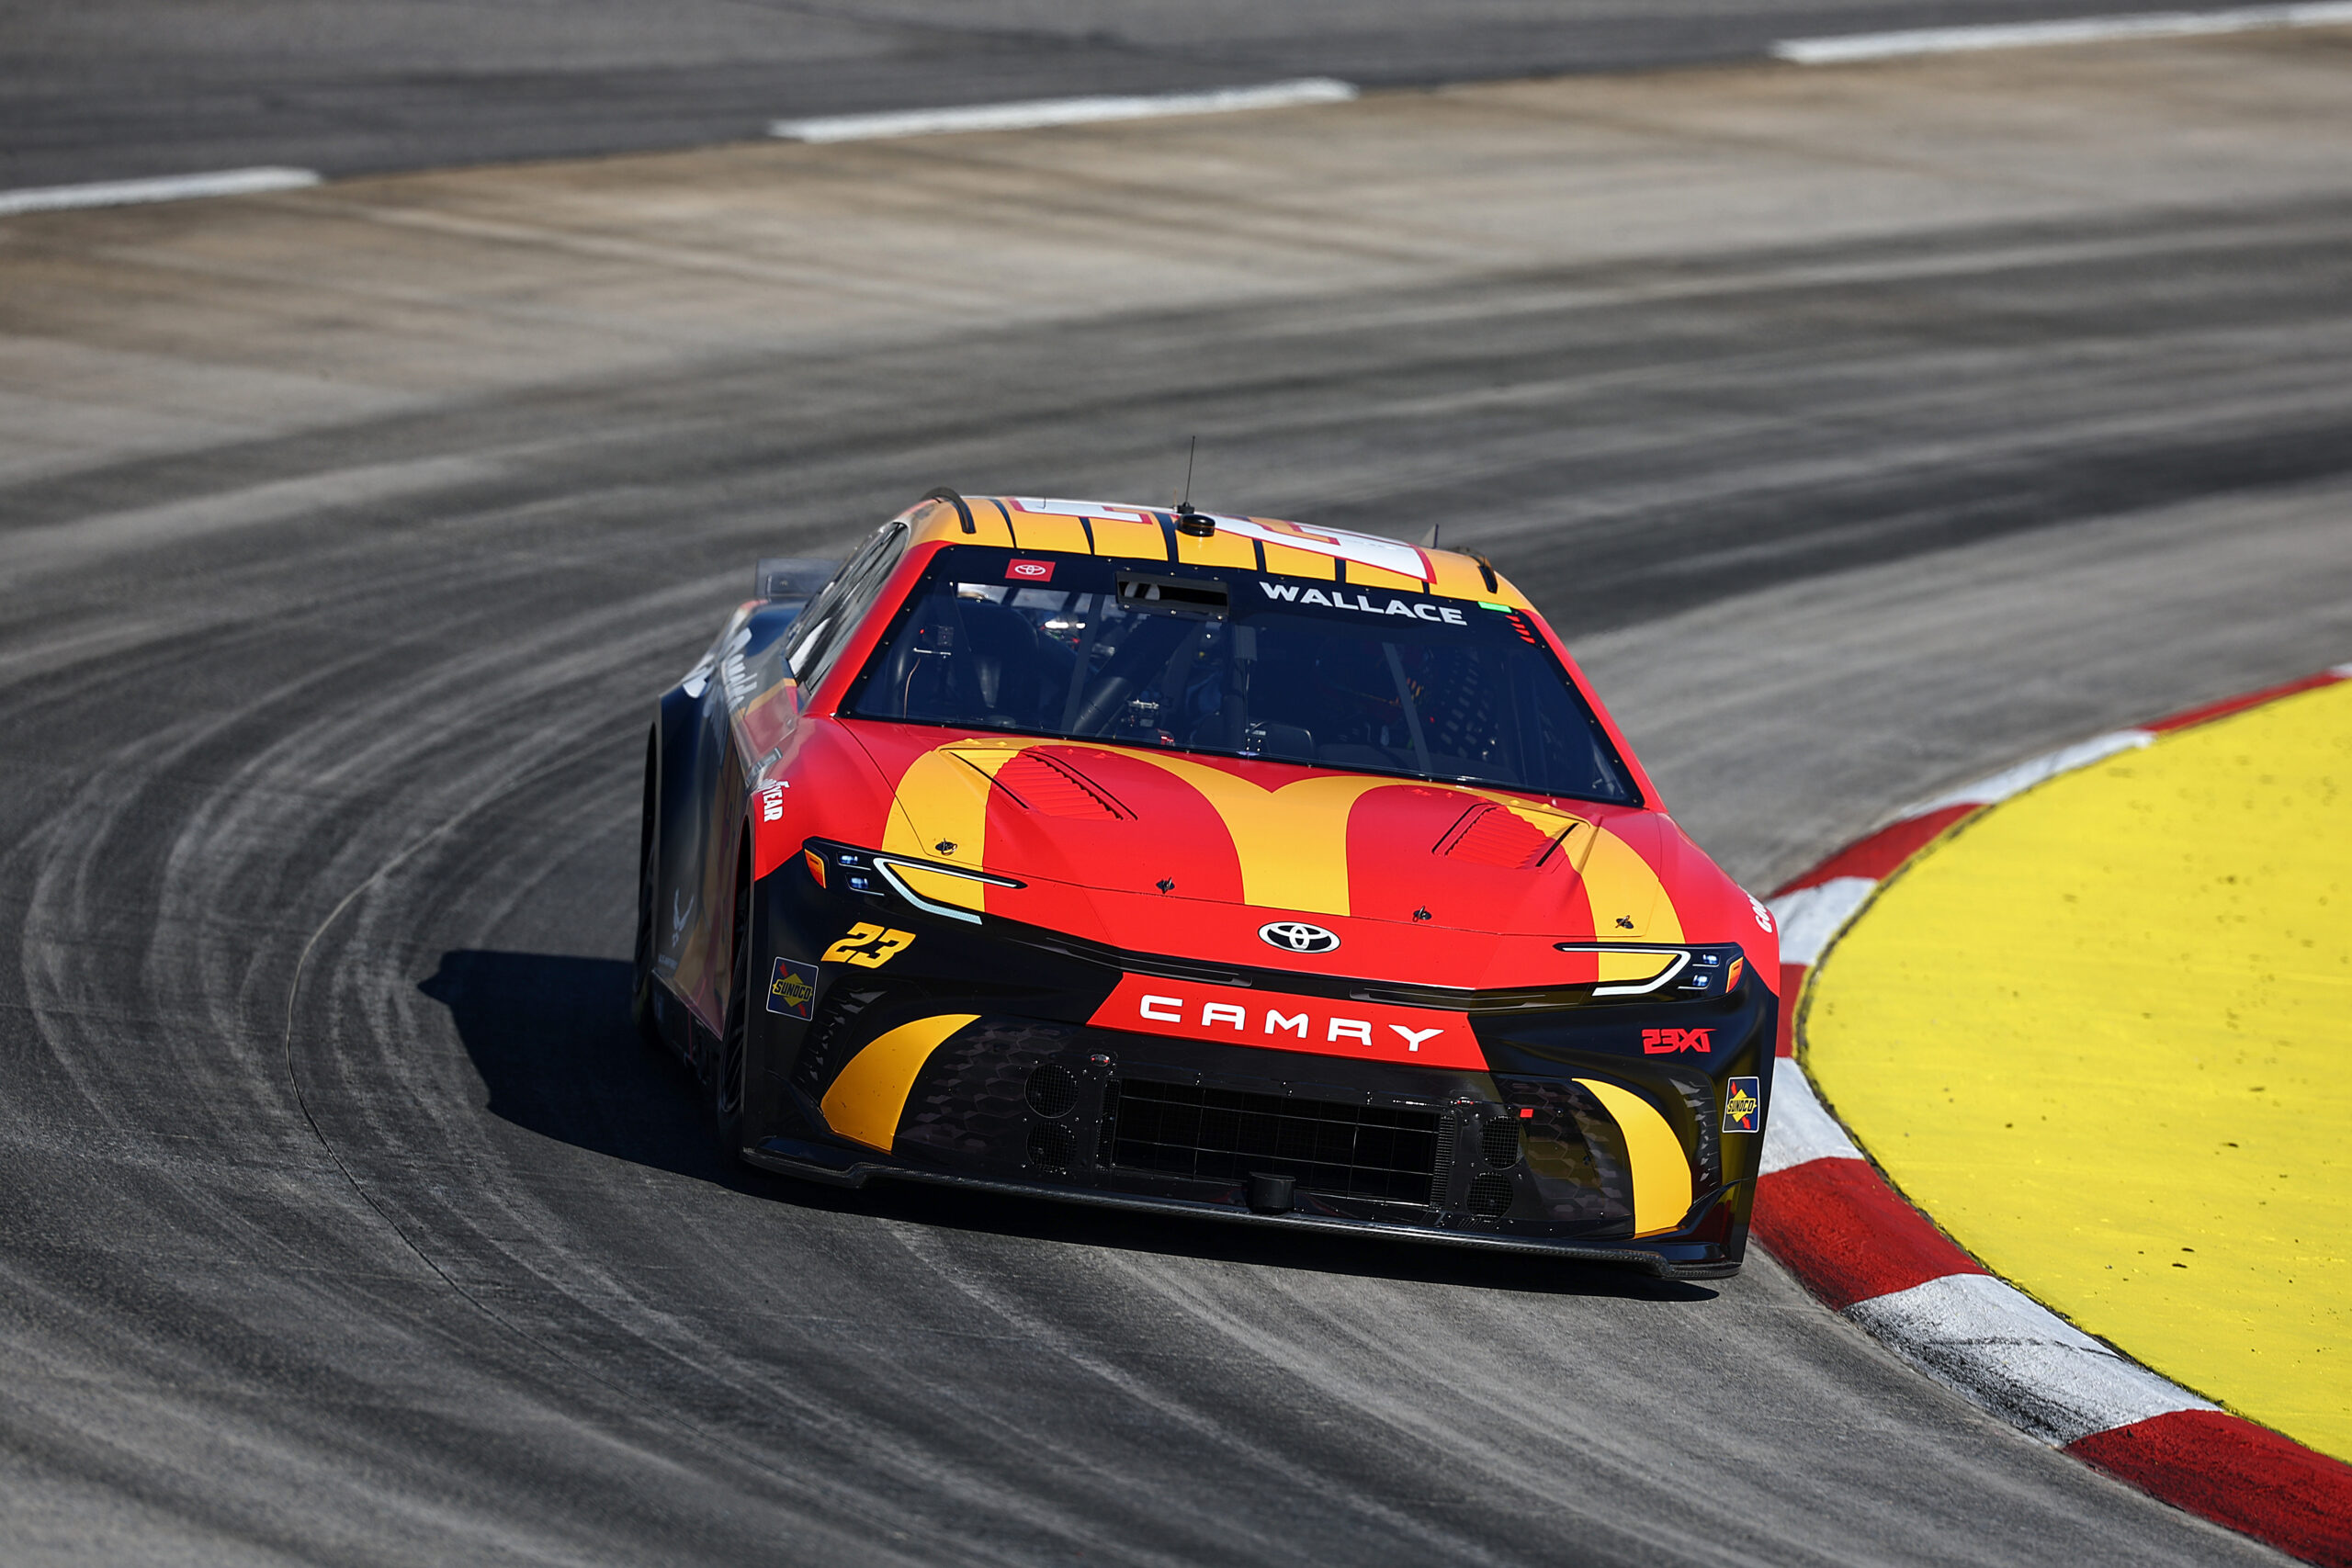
(1519, 1162)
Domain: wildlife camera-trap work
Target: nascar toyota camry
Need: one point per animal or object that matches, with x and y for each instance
(1214, 865)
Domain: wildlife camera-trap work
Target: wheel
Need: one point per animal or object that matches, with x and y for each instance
(641, 981)
(728, 1067)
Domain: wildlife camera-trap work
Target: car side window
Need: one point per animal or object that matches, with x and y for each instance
(825, 625)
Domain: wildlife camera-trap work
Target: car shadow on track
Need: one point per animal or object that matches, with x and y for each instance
(552, 1038)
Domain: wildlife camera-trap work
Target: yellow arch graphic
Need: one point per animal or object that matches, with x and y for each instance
(1661, 1174)
(866, 1100)
(946, 791)
(1622, 884)
(1291, 842)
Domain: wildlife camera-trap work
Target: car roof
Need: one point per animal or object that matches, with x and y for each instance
(1112, 529)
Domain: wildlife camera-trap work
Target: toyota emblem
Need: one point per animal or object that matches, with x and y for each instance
(1297, 936)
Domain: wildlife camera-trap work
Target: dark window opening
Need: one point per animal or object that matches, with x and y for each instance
(1237, 664)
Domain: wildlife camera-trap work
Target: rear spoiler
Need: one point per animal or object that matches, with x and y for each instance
(791, 577)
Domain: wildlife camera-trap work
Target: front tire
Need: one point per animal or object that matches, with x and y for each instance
(641, 981)
(730, 1062)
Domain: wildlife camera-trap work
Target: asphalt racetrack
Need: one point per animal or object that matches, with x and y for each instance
(1865, 429)
(122, 89)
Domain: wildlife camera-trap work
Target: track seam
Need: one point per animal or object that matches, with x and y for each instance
(301, 1102)
(1828, 1213)
(791, 1485)
(294, 1080)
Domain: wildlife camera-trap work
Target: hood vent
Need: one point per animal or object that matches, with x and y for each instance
(1490, 835)
(1053, 787)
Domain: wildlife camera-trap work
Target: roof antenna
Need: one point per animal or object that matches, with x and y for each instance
(1187, 520)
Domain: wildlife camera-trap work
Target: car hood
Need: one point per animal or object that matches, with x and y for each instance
(1171, 852)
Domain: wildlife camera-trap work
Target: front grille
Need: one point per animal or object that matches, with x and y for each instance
(1358, 1151)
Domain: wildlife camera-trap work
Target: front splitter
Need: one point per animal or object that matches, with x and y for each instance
(837, 1168)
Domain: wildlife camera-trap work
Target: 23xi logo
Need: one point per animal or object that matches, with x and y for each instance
(1666, 1042)
(868, 946)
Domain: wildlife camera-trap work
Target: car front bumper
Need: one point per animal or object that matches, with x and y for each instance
(970, 1058)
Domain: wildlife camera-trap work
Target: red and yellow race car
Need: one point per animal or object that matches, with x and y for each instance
(1217, 865)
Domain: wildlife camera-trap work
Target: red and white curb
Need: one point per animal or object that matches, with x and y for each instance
(1828, 1215)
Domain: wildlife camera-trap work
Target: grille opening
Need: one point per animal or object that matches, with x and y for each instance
(1110, 1124)
(1053, 1090)
(1499, 1142)
(1489, 1195)
(1357, 1151)
(1051, 1146)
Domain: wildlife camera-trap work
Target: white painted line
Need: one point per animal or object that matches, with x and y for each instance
(1800, 1131)
(2026, 774)
(1851, 47)
(1060, 111)
(165, 187)
(2014, 1358)
(1809, 916)
(2341, 671)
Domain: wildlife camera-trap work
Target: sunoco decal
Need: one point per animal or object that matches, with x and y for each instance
(1741, 1106)
(792, 988)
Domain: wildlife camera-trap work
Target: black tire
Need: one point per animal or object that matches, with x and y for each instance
(641, 981)
(727, 1066)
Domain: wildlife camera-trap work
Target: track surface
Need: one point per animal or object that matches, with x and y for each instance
(112, 89)
(347, 1222)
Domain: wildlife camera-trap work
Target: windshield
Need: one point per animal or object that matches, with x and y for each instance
(1236, 664)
